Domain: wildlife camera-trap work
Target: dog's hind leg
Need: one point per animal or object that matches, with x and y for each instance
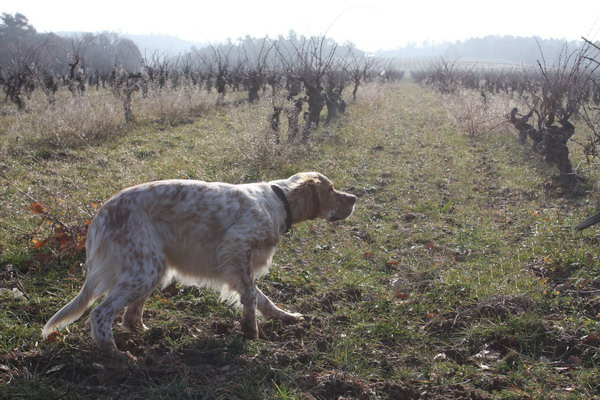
(131, 290)
(270, 310)
(132, 317)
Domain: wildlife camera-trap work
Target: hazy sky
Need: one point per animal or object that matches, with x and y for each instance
(370, 24)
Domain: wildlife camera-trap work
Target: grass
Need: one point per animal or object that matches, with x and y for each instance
(458, 275)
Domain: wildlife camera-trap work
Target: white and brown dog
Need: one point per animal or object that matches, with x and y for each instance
(211, 234)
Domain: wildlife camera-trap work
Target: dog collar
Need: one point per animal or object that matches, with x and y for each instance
(288, 211)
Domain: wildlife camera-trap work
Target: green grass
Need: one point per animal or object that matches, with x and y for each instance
(458, 275)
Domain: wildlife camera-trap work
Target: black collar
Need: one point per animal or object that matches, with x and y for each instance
(288, 211)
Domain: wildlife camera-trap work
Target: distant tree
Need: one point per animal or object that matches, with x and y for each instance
(315, 57)
(336, 80)
(15, 26)
(359, 67)
(256, 54)
(591, 112)
(221, 60)
(109, 50)
(510, 49)
(17, 52)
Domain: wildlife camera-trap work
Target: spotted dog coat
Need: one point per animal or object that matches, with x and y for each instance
(211, 234)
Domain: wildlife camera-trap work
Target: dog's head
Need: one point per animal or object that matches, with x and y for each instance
(311, 195)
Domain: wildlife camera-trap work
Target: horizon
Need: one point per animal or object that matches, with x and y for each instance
(380, 26)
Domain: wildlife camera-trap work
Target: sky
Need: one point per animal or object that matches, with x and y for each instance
(370, 24)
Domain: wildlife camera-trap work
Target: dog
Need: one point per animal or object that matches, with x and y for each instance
(209, 234)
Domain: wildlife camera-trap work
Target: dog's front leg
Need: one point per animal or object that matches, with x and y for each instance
(246, 287)
(249, 325)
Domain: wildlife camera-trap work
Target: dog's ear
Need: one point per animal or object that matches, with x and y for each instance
(304, 199)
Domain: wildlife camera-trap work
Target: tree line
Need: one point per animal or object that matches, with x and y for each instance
(509, 49)
(303, 76)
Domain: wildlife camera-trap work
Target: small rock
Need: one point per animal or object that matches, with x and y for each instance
(13, 293)
(574, 361)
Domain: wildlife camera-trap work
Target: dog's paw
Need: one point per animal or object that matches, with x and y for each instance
(292, 317)
(130, 328)
(250, 335)
(250, 330)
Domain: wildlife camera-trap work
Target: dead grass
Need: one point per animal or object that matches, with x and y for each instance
(94, 117)
(476, 113)
(73, 122)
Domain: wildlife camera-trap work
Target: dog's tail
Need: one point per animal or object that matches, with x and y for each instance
(72, 310)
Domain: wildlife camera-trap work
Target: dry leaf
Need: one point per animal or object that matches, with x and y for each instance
(37, 244)
(52, 337)
(38, 208)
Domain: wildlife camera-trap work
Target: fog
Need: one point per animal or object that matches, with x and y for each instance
(371, 26)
